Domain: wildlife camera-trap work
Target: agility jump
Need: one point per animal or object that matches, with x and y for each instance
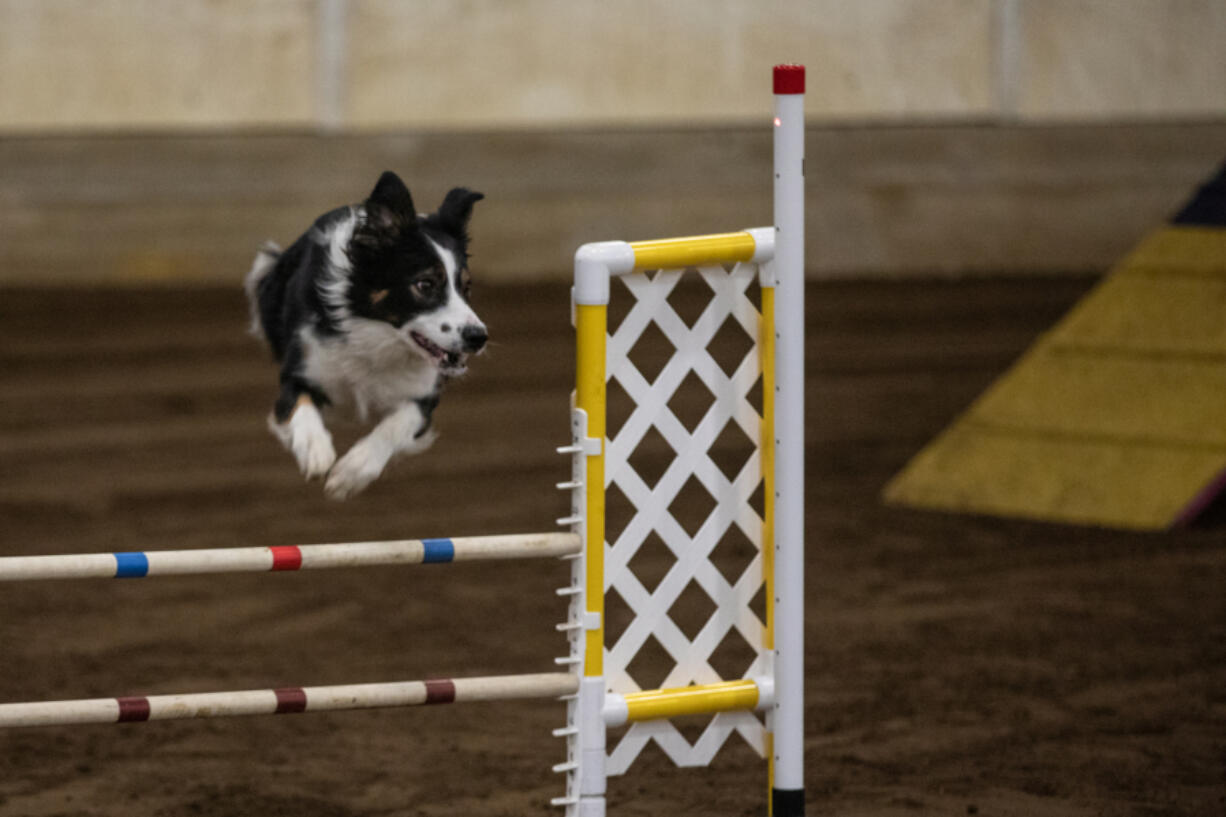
(287, 700)
(597, 683)
(139, 564)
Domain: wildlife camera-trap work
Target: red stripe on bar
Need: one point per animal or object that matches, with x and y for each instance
(290, 700)
(286, 557)
(789, 79)
(440, 691)
(134, 708)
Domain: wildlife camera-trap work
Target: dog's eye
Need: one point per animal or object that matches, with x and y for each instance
(424, 288)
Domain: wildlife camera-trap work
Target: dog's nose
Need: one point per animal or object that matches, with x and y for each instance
(474, 337)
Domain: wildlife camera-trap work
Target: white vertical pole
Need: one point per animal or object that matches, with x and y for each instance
(788, 795)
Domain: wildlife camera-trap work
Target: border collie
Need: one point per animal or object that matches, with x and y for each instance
(367, 312)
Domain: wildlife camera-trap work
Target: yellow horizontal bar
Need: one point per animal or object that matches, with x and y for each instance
(693, 251)
(704, 699)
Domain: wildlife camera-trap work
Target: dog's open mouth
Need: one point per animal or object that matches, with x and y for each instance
(449, 363)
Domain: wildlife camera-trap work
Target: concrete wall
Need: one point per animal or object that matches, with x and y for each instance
(920, 200)
(72, 65)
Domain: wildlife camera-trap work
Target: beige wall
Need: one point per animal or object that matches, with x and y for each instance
(136, 64)
(490, 64)
(639, 61)
(1120, 58)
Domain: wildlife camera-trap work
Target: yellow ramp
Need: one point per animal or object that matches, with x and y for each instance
(1117, 415)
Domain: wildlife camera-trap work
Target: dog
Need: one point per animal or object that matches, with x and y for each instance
(367, 313)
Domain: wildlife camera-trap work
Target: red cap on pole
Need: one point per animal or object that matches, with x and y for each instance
(789, 79)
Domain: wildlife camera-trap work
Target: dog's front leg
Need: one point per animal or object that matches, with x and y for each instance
(297, 423)
(404, 431)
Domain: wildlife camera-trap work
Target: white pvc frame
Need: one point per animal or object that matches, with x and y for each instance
(594, 264)
(788, 716)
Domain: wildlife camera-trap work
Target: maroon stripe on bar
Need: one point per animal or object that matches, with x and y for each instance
(290, 700)
(134, 708)
(286, 557)
(440, 691)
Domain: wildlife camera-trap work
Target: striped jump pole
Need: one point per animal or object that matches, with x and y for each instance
(288, 700)
(136, 564)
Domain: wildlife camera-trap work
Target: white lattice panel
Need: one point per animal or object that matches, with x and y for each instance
(732, 506)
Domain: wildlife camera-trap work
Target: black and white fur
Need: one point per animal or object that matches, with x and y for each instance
(367, 312)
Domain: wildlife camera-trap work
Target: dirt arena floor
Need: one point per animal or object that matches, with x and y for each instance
(956, 665)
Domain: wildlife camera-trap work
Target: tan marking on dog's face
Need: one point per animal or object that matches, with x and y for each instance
(303, 400)
(375, 297)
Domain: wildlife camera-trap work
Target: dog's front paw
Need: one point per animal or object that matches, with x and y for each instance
(306, 437)
(420, 444)
(315, 454)
(360, 466)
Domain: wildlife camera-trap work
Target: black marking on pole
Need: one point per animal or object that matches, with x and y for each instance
(787, 802)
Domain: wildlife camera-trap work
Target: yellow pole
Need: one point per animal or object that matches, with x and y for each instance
(693, 251)
(766, 453)
(656, 704)
(591, 322)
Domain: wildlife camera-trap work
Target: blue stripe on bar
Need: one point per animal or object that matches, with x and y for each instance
(132, 565)
(437, 550)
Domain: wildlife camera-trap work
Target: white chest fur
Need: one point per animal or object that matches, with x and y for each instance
(368, 369)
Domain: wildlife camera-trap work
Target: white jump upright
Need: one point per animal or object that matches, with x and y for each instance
(763, 702)
(788, 785)
(610, 692)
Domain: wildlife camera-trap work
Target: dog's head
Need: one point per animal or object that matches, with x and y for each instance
(411, 272)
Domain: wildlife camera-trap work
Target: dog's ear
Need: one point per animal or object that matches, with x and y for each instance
(390, 205)
(455, 211)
